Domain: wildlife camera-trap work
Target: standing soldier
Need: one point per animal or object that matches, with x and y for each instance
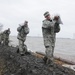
(1, 34)
(1, 38)
(23, 30)
(49, 35)
(6, 37)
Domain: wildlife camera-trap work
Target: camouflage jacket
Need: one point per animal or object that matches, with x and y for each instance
(48, 27)
(22, 32)
(48, 32)
(6, 34)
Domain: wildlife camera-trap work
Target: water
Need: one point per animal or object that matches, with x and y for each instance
(65, 48)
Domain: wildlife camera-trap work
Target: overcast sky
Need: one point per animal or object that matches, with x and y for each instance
(14, 12)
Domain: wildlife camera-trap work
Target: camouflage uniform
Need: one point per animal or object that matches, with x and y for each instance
(22, 33)
(6, 37)
(1, 38)
(49, 36)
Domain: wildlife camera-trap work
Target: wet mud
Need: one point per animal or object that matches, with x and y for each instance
(12, 63)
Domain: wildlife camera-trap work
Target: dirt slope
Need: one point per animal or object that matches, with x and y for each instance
(11, 63)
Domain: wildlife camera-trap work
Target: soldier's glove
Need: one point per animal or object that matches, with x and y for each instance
(56, 18)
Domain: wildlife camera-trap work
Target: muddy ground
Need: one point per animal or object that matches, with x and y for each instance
(12, 63)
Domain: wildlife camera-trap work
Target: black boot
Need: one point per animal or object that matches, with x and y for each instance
(45, 59)
(22, 54)
(27, 53)
(18, 50)
(50, 62)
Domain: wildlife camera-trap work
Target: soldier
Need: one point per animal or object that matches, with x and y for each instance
(49, 35)
(1, 38)
(23, 30)
(6, 37)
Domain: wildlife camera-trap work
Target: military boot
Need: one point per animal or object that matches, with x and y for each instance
(45, 59)
(22, 54)
(50, 62)
(27, 53)
(26, 50)
(18, 50)
(0, 43)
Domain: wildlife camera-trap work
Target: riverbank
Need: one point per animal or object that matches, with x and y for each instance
(12, 63)
(65, 47)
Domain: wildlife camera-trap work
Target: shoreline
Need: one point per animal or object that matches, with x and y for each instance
(64, 48)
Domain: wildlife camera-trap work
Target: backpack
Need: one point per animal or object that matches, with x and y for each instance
(56, 28)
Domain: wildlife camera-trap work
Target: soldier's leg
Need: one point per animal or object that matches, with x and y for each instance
(53, 43)
(0, 39)
(21, 45)
(49, 52)
(3, 41)
(25, 48)
(6, 41)
(53, 51)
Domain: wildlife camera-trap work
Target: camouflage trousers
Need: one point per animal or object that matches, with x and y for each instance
(22, 47)
(1, 39)
(49, 43)
(5, 41)
(49, 52)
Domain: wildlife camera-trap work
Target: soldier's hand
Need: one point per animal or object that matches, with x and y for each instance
(56, 18)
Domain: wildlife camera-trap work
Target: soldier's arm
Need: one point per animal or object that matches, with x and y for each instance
(19, 28)
(47, 25)
(57, 19)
